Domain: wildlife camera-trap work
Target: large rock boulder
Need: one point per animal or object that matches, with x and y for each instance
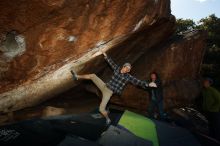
(63, 34)
(178, 62)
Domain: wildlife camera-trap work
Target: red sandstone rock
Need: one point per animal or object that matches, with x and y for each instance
(178, 63)
(65, 34)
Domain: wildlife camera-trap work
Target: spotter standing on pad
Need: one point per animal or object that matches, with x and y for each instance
(116, 84)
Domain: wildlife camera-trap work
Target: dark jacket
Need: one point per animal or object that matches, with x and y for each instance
(157, 91)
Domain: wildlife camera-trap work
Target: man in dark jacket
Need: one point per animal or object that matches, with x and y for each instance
(116, 84)
(156, 96)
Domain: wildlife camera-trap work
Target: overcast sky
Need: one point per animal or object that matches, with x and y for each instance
(195, 9)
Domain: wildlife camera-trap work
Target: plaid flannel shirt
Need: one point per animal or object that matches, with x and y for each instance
(119, 80)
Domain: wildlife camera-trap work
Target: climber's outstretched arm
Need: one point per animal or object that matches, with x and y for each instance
(113, 65)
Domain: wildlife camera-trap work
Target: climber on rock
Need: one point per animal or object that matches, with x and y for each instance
(116, 84)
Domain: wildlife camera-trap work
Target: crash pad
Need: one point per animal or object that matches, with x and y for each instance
(139, 126)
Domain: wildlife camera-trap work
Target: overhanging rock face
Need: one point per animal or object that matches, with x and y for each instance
(65, 34)
(177, 61)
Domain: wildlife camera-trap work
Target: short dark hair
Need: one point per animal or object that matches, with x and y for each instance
(210, 80)
(153, 72)
(157, 75)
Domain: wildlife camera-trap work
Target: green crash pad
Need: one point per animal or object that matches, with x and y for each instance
(140, 126)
